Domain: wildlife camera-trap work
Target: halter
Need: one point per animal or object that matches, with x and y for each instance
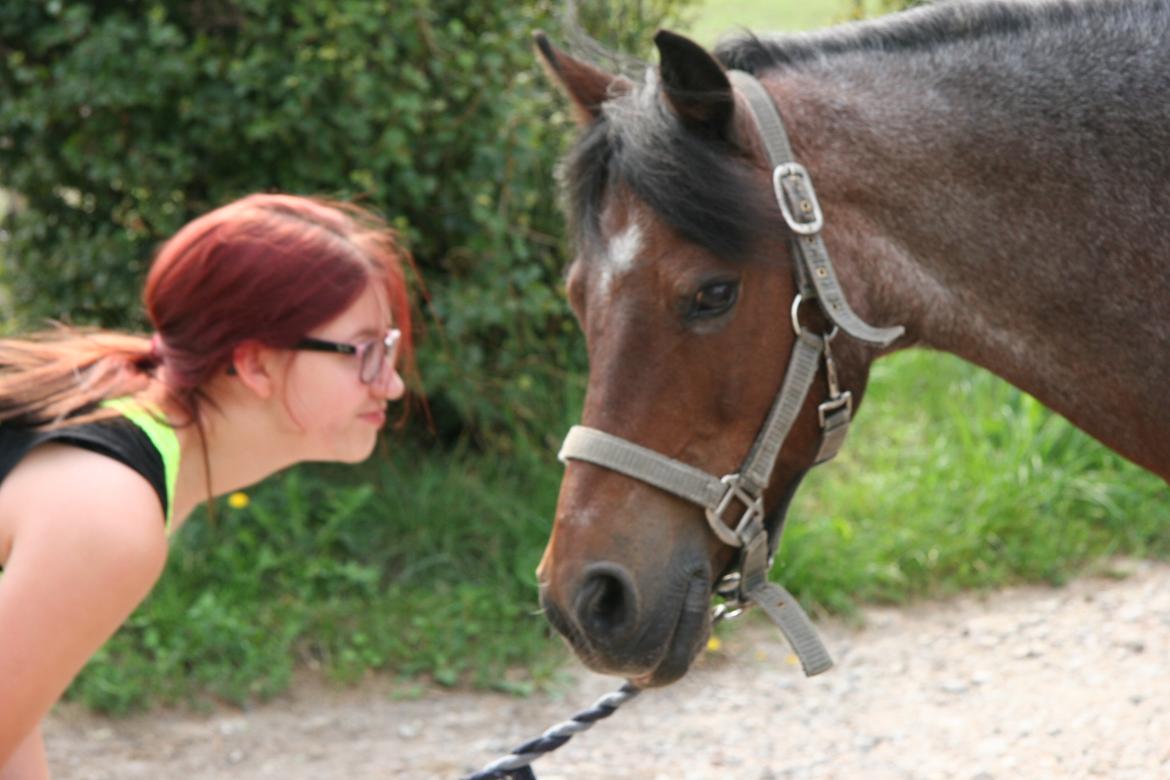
(747, 581)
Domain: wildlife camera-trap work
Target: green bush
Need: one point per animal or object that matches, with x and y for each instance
(121, 121)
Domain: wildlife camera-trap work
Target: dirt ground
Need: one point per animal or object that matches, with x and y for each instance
(1024, 683)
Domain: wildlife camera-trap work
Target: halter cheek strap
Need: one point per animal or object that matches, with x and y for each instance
(816, 281)
(798, 203)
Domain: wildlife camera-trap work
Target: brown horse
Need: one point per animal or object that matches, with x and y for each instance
(994, 178)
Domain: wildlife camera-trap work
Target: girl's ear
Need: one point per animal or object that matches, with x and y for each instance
(254, 365)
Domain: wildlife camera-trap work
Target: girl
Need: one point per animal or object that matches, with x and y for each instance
(278, 322)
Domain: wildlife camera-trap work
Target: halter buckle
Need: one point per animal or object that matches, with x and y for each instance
(791, 180)
(753, 512)
(837, 400)
(833, 405)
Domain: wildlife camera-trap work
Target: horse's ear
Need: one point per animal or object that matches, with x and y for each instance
(696, 86)
(587, 86)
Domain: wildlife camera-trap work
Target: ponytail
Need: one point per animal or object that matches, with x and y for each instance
(63, 373)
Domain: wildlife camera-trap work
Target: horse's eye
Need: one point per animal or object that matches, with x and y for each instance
(714, 299)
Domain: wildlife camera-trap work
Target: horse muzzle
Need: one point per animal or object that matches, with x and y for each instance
(617, 628)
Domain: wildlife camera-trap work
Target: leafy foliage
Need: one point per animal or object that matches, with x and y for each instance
(122, 121)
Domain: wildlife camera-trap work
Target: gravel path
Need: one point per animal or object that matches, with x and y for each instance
(1024, 683)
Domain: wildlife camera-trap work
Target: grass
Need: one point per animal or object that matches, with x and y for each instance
(952, 479)
(420, 564)
(711, 20)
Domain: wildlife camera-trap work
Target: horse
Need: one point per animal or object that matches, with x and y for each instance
(992, 179)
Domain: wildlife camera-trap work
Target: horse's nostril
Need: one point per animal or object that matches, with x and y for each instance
(605, 600)
(607, 603)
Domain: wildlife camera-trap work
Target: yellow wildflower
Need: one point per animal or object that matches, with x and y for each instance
(238, 500)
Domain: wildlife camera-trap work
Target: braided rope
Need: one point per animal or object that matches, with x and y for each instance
(515, 765)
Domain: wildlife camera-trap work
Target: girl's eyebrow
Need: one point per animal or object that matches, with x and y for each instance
(367, 332)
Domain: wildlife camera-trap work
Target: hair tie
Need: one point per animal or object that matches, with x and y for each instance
(156, 348)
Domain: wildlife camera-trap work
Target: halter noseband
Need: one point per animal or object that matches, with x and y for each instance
(816, 281)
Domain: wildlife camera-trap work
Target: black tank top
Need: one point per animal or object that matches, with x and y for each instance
(117, 438)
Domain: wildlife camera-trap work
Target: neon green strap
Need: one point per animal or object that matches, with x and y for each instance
(161, 435)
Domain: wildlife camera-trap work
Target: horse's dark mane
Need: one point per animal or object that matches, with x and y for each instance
(686, 178)
(926, 28)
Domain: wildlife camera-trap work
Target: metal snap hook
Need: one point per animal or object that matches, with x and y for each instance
(798, 329)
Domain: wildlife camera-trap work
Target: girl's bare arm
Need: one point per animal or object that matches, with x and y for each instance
(86, 542)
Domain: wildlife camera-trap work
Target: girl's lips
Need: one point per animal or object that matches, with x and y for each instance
(374, 418)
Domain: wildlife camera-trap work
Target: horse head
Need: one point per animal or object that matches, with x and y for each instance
(683, 283)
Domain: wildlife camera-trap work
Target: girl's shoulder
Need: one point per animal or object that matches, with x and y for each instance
(103, 478)
(62, 501)
(118, 439)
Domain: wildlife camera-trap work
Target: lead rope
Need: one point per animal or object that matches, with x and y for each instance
(517, 764)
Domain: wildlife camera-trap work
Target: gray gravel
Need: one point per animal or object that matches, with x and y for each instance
(1024, 683)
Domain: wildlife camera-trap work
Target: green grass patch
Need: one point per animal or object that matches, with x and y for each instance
(419, 565)
(713, 19)
(952, 479)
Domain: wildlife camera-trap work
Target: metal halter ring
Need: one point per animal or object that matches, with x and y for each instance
(796, 327)
(724, 612)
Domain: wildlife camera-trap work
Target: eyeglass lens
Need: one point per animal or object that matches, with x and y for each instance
(375, 355)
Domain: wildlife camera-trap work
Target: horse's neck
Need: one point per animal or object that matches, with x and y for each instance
(1005, 232)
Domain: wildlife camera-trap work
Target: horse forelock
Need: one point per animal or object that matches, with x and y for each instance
(700, 187)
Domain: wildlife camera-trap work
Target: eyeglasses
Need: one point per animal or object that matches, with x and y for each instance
(372, 355)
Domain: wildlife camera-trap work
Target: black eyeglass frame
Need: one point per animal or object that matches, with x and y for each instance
(365, 372)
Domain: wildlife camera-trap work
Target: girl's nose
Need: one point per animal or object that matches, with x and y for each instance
(389, 384)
